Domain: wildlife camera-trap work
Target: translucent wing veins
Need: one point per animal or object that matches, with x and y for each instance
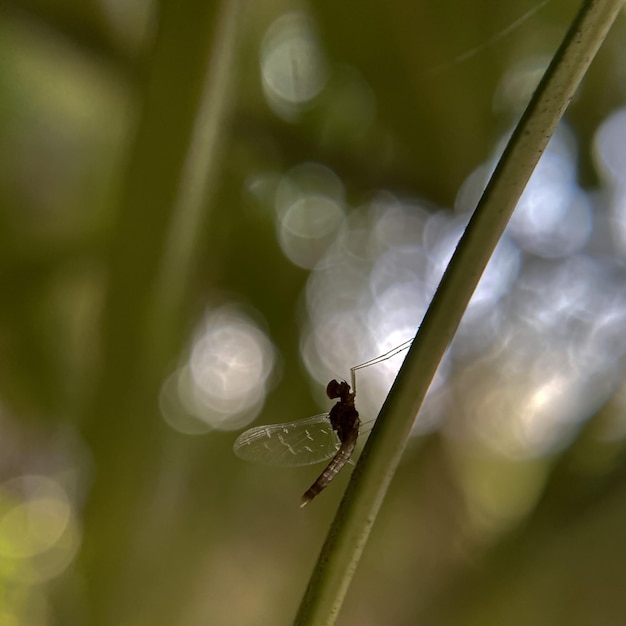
(303, 442)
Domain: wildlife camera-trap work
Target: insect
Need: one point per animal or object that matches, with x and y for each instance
(313, 439)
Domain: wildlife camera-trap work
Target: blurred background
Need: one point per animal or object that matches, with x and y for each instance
(354, 141)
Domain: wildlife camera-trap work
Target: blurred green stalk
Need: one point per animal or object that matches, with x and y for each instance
(154, 251)
(380, 458)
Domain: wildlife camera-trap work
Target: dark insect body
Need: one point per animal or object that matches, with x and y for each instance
(314, 439)
(344, 418)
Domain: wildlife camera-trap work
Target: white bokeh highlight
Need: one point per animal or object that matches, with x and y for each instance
(224, 383)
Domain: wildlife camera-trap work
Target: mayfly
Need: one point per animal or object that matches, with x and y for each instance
(313, 439)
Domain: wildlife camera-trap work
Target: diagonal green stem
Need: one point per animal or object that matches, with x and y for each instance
(358, 510)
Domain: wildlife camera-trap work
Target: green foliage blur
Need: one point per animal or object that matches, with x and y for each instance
(110, 516)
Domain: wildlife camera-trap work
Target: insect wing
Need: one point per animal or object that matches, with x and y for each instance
(304, 442)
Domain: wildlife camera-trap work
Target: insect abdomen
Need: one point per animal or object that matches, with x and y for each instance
(332, 469)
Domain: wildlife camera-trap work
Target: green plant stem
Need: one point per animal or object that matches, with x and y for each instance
(154, 249)
(358, 510)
